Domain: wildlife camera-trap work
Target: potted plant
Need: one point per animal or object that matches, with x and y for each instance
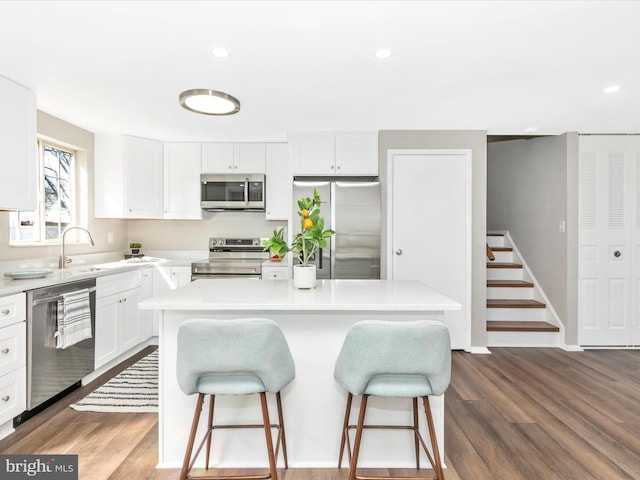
(309, 241)
(277, 245)
(135, 248)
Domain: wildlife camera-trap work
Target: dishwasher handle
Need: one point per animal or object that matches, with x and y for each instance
(54, 298)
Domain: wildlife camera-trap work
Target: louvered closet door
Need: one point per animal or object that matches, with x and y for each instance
(609, 222)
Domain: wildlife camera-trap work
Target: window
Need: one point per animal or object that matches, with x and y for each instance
(56, 206)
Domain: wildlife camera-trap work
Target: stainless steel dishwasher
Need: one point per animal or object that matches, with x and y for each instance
(53, 372)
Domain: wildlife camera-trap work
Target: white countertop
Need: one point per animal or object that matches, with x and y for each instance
(280, 295)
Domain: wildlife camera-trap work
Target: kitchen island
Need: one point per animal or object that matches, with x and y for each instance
(315, 323)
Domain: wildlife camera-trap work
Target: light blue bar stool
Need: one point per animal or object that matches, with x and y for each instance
(233, 357)
(394, 359)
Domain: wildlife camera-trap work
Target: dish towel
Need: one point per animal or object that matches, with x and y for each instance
(74, 318)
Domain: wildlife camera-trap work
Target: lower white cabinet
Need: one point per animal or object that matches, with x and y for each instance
(118, 322)
(146, 316)
(166, 278)
(13, 356)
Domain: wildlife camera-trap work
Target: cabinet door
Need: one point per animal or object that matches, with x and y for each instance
(18, 160)
(182, 164)
(128, 323)
(146, 316)
(279, 182)
(143, 178)
(217, 158)
(313, 153)
(249, 158)
(108, 175)
(180, 276)
(357, 153)
(106, 338)
(13, 394)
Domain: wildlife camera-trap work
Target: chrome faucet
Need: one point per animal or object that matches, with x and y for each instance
(62, 263)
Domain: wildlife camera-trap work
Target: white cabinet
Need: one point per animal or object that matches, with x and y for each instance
(13, 356)
(182, 164)
(146, 316)
(128, 177)
(233, 157)
(118, 325)
(330, 153)
(18, 160)
(276, 270)
(278, 182)
(165, 279)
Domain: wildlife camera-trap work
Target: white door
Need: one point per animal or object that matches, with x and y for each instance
(609, 255)
(430, 227)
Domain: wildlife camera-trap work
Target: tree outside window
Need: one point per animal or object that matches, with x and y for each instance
(56, 206)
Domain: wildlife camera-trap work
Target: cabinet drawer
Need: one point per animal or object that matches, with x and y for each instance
(118, 282)
(13, 394)
(275, 273)
(13, 350)
(13, 309)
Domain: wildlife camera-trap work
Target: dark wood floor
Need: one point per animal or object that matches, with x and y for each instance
(522, 413)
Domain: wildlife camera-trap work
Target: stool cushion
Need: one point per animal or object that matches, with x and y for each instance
(395, 358)
(229, 384)
(248, 355)
(399, 386)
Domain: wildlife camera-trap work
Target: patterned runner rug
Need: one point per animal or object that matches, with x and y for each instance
(133, 390)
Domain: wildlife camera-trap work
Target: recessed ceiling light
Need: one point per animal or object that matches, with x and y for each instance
(612, 89)
(209, 102)
(383, 53)
(220, 53)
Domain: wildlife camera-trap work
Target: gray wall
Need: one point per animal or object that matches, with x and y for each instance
(531, 188)
(476, 140)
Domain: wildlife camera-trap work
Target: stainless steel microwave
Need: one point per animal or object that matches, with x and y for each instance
(232, 192)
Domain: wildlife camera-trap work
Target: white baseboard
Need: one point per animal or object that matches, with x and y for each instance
(479, 350)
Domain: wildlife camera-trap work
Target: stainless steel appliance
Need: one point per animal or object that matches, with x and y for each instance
(232, 192)
(351, 207)
(231, 257)
(51, 371)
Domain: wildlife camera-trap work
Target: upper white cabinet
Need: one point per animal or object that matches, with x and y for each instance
(233, 157)
(18, 161)
(329, 153)
(278, 178)
(128, 177)
(182, 181)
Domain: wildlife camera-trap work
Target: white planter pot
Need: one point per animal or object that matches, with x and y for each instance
(304, 277)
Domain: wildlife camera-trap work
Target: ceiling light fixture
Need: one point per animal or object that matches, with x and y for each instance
(220, 53)
(209, 102)
(383, 53)
(612, 89)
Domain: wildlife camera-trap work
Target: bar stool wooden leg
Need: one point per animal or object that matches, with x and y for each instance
(192, 436)
(212, 399)
(356, 447)
(434, 440)
(267, 433)
(416, 439)
(345, 426)
(281, 433)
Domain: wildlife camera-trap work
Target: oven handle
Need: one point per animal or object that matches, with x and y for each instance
(54, 298)
(246, 191)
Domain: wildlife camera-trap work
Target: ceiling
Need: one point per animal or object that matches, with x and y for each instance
(507, 67)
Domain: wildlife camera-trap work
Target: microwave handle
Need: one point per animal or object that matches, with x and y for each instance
(246, 191)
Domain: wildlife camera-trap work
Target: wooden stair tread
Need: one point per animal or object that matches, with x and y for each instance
(495, 234)
(513, 326)
(503, 265)
(509, 283)
(509, 303)
(502, 249)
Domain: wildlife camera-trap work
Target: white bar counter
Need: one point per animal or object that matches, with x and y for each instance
(315, 323)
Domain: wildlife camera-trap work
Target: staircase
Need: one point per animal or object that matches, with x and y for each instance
(517, 314)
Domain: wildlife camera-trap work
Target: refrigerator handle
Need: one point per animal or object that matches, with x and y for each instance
(332, 240)
(319, 253)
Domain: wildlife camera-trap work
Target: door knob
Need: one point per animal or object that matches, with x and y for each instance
(398, 252)
(617, 253)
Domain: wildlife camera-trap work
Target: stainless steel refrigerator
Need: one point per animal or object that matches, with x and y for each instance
(351, 207)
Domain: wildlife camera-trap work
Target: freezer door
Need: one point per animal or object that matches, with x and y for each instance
(356, 244)
(322, 260)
